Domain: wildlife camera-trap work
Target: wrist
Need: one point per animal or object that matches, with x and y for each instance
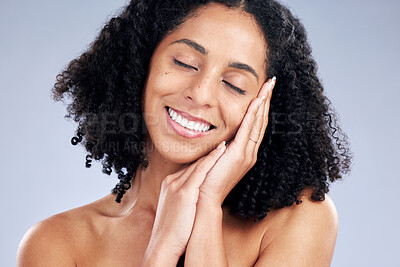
(211, 203)
(211, 208)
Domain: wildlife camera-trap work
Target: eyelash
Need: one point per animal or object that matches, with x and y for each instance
(184, 65)
(240, 91)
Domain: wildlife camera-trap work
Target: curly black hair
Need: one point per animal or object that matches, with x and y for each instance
(303, 144)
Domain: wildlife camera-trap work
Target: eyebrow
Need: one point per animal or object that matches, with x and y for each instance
(193, 44)
(203, 51)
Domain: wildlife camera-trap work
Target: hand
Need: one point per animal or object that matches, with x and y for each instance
(177, 202)
(181, 191)
(241, 153)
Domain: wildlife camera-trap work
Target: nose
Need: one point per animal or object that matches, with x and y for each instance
(202, 90)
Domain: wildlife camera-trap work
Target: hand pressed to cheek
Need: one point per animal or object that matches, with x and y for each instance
(266, 91)
(241, 154)
(254, 122)
(260, 122)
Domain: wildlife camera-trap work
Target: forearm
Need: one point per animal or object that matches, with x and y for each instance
(206, 245)
(158, 254)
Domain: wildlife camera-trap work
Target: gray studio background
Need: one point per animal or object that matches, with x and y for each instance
(356, 44)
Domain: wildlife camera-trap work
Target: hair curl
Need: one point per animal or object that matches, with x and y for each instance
(303, 144)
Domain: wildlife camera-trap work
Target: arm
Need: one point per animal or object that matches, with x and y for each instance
(307, 239)
(176, 211)
(206, 246)
(158, 255)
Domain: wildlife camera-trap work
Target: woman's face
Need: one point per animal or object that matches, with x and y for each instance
(207, 72)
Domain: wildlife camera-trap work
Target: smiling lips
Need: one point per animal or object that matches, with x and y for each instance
(184, 131)
(186, 120)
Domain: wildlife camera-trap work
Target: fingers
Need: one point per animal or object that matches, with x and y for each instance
(265, 114)
(242, 135)
(196, 174)
(174, 176)
(255, 132)
(253, 121)
(187, 169)
(258, 123)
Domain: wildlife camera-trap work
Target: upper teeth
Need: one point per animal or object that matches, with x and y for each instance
(192, 125)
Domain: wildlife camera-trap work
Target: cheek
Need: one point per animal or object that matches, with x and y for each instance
(234, 119)
(158, 83)
(163, 79)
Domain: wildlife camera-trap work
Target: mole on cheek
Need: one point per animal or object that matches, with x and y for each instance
(166, 73)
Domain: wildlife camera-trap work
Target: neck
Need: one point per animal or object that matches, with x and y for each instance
(146, 185)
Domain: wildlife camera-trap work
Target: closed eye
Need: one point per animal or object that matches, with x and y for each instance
(240, 91)
(184, 65)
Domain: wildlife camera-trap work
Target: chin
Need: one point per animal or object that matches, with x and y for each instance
(182, 153)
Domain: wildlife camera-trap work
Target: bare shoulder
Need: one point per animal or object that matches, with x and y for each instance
(320, 212)
(301, 235)
(51, 242)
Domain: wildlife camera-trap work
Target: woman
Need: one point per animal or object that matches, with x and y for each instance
(177, 98)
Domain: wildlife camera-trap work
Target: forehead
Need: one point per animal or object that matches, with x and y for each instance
(226, 34)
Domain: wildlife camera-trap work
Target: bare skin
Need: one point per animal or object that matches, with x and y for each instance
(105, 233)
(175, 204)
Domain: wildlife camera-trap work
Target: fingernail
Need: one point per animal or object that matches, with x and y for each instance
(271, 85)
(221, 145)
